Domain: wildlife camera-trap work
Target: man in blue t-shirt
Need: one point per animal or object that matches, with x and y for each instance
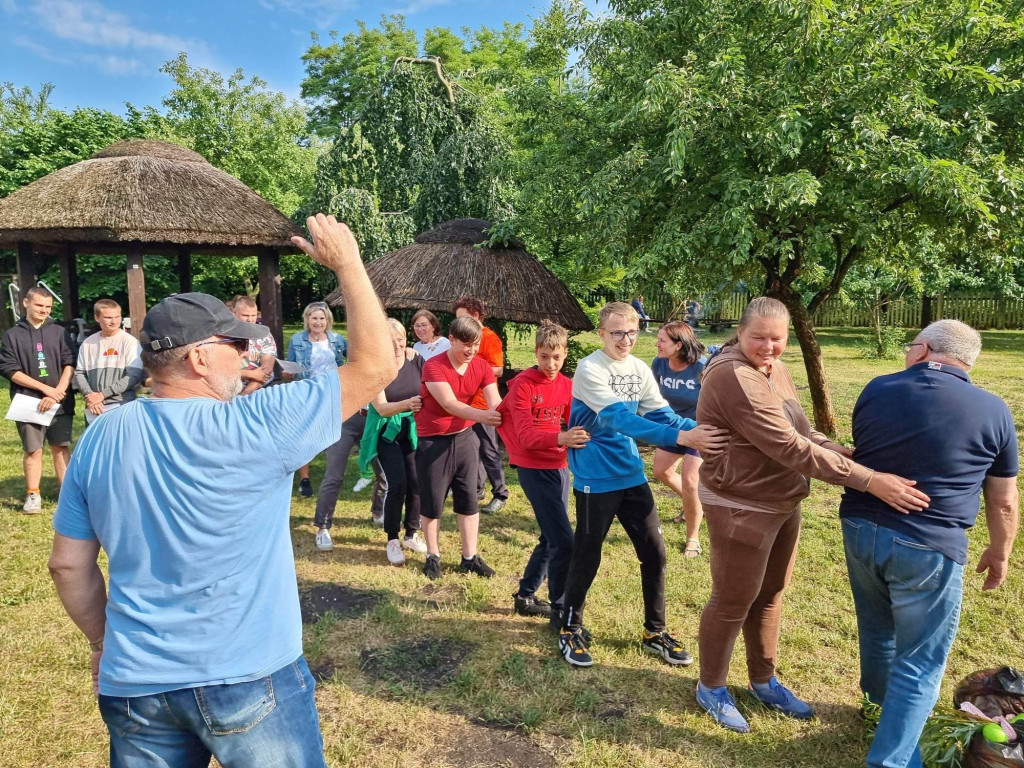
(957, 441)
(197, 650)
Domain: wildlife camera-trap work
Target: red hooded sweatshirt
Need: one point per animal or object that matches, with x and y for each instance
(531, 418)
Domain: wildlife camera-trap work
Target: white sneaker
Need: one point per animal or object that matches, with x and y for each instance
(361, 483)
(323, 540)
(378, 519)
(33, 504)
(395, 555)
(415, 543)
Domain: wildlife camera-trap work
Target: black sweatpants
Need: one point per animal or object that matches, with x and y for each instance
(397, 462)
(443, 462)
(594, 514)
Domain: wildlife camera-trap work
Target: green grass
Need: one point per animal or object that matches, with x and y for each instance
(513, 689)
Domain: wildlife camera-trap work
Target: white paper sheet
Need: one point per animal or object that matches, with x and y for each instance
(26, 408)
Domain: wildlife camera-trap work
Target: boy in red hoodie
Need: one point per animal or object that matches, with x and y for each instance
(531, 426)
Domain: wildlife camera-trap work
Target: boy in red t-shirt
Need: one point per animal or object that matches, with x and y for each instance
(447, 455)
(491, 467)
(532, 415)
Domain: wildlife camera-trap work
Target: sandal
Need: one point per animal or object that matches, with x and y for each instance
(692, 548)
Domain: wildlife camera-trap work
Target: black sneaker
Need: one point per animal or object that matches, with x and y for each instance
(494, 506)
(662, 644)
(432, 567)
(305, 487)
(555, 623)
(531, 605)
(574, 649)
(476, 565)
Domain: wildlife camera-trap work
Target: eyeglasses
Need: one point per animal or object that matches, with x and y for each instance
(908, 347)
(241, 345)
(620, 335)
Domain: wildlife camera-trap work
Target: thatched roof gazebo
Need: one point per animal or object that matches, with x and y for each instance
(445, 263)
(137, 197)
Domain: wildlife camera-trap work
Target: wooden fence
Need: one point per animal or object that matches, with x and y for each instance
(981, 311)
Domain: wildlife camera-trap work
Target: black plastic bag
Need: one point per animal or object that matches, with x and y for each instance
(995, 692)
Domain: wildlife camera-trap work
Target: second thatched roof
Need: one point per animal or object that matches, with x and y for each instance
(149, 192)
(445, 264)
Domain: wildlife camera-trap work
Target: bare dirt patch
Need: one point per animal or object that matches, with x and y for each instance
(319, 599)
(425, 662)
(481, 746)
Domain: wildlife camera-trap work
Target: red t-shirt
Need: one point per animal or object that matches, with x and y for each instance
(491, 351)
(432, 419)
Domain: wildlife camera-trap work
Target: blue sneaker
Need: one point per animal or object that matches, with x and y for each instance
(775, 695)
(718, 703)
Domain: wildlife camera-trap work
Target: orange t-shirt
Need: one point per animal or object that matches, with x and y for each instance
(491, 351)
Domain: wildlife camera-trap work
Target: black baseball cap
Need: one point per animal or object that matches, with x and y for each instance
(185, 318)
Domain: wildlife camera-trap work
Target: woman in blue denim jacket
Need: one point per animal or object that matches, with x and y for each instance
(316, 349)
(318, 321)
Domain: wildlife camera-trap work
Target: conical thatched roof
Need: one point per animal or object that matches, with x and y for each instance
(444, 264)
(143, 191)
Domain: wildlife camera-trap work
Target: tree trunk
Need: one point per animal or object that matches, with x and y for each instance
(803, 327)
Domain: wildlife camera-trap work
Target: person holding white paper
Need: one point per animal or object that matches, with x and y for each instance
(38, 360)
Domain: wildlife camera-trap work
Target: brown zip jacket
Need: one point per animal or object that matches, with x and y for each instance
(773, 451)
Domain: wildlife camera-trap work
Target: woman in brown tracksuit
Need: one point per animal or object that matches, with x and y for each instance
(751, 495)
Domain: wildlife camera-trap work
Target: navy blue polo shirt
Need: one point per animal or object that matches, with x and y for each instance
(930, 424)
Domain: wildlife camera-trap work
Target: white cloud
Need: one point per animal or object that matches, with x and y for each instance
(415, 6)
(309, 6)
(114, 65)
(87, 21)
(41, 50)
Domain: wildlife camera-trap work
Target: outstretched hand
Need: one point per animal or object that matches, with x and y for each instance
(574, 437)
(333, 244)
(898, 492)
(709, 440)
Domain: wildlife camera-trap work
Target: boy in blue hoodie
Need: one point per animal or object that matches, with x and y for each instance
(615, 398)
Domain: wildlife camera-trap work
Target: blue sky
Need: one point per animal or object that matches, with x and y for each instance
(102, 53)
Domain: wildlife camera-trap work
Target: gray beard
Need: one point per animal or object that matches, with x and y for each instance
(226, 387)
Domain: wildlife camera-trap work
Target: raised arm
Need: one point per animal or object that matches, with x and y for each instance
(371, 359)
(1002, 513)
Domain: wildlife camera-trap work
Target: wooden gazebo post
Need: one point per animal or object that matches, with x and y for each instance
(136, 289)
(27, 270)
(270, 294)
(69, 281)
(184, 270)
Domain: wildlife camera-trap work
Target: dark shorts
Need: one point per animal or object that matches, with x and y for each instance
(32, 435)
(448, 461)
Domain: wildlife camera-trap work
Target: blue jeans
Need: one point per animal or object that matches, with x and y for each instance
(548, 493)
(270, 723)
(907, 598)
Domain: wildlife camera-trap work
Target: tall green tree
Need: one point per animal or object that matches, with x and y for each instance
(424, 150)
(36, 138)
(343, 74)
(250, 131)
(786, 142)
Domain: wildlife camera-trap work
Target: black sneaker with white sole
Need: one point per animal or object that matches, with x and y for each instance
(555, 623)
(432, 567)
(476, 564)
(664, 645)
(573, 649)
(530, 605)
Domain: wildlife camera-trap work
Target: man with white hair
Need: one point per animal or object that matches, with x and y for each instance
(927, 423)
